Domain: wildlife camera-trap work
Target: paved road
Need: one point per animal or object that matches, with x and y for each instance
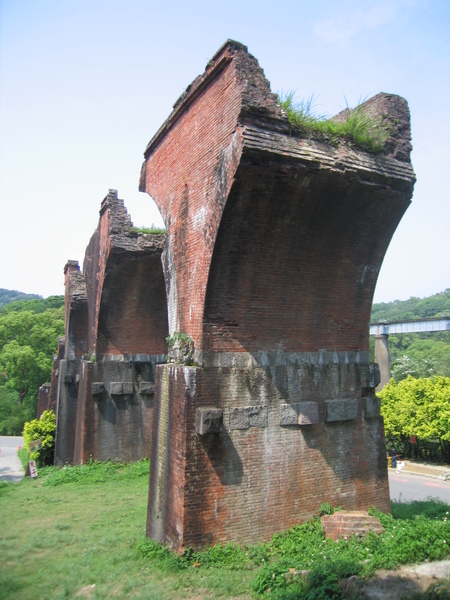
(10, 466)
(406, 487)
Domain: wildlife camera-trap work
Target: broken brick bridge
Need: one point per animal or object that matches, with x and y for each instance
(266, 408)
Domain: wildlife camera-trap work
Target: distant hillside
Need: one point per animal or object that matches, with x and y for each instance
(414, 308)
(7, 296)
(416, 354)
(37, 306)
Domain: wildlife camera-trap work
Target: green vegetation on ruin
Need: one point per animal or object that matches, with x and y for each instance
(152, 230)
(356, 125)
(80, 532)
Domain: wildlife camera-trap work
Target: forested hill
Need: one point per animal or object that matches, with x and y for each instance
(36, 306)
(7, 296)
(414, 308)
(29, 331)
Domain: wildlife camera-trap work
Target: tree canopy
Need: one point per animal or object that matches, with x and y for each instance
(437, 305)
(417, 407)
(29, 331)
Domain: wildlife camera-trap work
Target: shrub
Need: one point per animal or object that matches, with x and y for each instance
(43, 428)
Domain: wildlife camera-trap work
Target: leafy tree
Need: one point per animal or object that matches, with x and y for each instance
(25, 368)
(419, 407)
(29, 331)
(12, 415)
(405, 366)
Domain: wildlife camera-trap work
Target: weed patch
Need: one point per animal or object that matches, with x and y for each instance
(356, 125)
(152, 230)
(94, 472)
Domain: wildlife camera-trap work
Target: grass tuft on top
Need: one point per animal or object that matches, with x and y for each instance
(152, 230)
(357, 126)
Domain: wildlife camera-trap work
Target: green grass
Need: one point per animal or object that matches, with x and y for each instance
(152, 230)
(358, 127)
(80, 531)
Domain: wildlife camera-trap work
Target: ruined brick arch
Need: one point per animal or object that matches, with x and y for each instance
(289, 249)
(116, 325)
(275, 240)
(76, 311)
(133, 310)
(125, 287)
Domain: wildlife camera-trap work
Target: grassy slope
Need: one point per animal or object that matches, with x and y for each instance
(79, 532)
(57, 541)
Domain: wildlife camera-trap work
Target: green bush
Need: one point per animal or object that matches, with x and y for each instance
(44, 429)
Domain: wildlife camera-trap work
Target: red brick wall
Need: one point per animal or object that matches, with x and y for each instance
(189, 174)
(94, 266)
(275, 241)
(245, 485)
(76, 307)
(133, 312)
(166, 510)
(43, 399)
(295, 266)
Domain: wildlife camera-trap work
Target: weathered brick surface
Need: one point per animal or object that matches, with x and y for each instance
(116, 324)
(43, 399)
(274, 246)
(66, 413)
(246, 484)
(343, 524)
(48, 397)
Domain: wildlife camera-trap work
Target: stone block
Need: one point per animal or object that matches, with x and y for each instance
(97, 388)
(147, 388)
(308, 413)
(208, 420)
(248, 416)
(257, 416)
(116, 388)
(341, 410)
(288, 414)
(301, 413)
(344, 524)
(371, 407)
(371, 377)
(128, 388)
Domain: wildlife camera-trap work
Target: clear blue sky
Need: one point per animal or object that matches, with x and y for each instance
(84, 85)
